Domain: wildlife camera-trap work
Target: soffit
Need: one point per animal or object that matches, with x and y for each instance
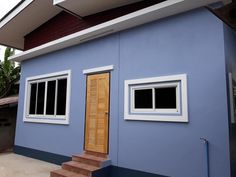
(87, 7)
(24, 19)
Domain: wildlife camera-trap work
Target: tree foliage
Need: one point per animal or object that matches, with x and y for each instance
(9, 74)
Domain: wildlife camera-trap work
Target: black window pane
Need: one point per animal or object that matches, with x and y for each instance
(165, 98)
(32, 98)
(61, 97)
(143, 99)
(40, 98)
(51, 97)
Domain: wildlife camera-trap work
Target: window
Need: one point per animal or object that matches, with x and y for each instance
(143, 98)
(159, 98)
(47, 98)
(156, 99)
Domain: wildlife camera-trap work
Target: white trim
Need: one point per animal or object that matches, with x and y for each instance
(15, 12)
(55, 2)
(52, 119)
(45, 98)
(68, 97)
(161, 115)
(155, 12)
(98, 69)
(47, 121)
(36, 105)
(44, 76)
(153, 86)
(231, 98)
(56, 92)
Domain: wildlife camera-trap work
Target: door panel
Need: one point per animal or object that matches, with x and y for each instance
(97, 113)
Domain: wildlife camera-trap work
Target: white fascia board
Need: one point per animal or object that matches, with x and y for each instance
(98, 69)
(15, 12)
(56, 2)
(155, 12)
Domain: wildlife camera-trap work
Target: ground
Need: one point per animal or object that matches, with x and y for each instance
(19, 166)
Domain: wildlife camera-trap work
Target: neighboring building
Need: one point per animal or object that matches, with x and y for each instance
(148, 85)
(8, 114)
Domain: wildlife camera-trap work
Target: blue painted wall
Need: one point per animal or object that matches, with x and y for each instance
(191, 43)
(230, 56)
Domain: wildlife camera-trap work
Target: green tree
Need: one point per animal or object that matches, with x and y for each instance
(9, 74)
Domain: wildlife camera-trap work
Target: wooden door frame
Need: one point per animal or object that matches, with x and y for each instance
(108, 126)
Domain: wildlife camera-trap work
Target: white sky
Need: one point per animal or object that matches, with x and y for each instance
(6, 6)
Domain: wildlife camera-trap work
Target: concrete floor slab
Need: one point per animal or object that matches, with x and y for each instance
(13, 165)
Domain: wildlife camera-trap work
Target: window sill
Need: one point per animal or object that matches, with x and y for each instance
(158, 118)
(155, 111)
(60, 121)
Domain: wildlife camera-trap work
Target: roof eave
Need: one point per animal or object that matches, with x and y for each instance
(23, 19)
(155, 12)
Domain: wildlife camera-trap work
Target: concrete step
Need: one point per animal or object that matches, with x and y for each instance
(79, 168)
(65, 173)
(90, 160)
(97, 154)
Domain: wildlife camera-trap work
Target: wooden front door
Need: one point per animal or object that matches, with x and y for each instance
(97, 113)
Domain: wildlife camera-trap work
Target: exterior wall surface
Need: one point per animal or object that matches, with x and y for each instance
(230, 55)
(190, 43)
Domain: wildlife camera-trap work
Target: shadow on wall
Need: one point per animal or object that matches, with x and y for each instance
(7, 127)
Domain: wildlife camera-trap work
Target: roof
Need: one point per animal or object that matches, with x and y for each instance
(8, 100)
(27, 17)
(227, 14)
(9, 12)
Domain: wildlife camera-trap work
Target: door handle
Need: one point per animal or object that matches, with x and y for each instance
(106, 112)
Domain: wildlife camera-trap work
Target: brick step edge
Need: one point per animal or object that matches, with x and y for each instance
(80, 168)
(96, 154)
(65, 173)
(91, 160)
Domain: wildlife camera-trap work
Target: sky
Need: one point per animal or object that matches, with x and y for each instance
(6, 6)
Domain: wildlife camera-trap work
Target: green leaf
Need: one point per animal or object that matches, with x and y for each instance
(9, 74)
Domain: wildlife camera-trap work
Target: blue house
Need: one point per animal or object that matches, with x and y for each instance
(126, 88)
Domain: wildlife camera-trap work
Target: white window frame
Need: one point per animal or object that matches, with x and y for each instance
(180, 114)
(153, 86)
(43, 118)
(98, 69)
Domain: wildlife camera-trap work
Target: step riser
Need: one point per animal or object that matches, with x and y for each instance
(65, 173)
(55, 175)
(96, 154)
(76, 170)
(87, 161)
